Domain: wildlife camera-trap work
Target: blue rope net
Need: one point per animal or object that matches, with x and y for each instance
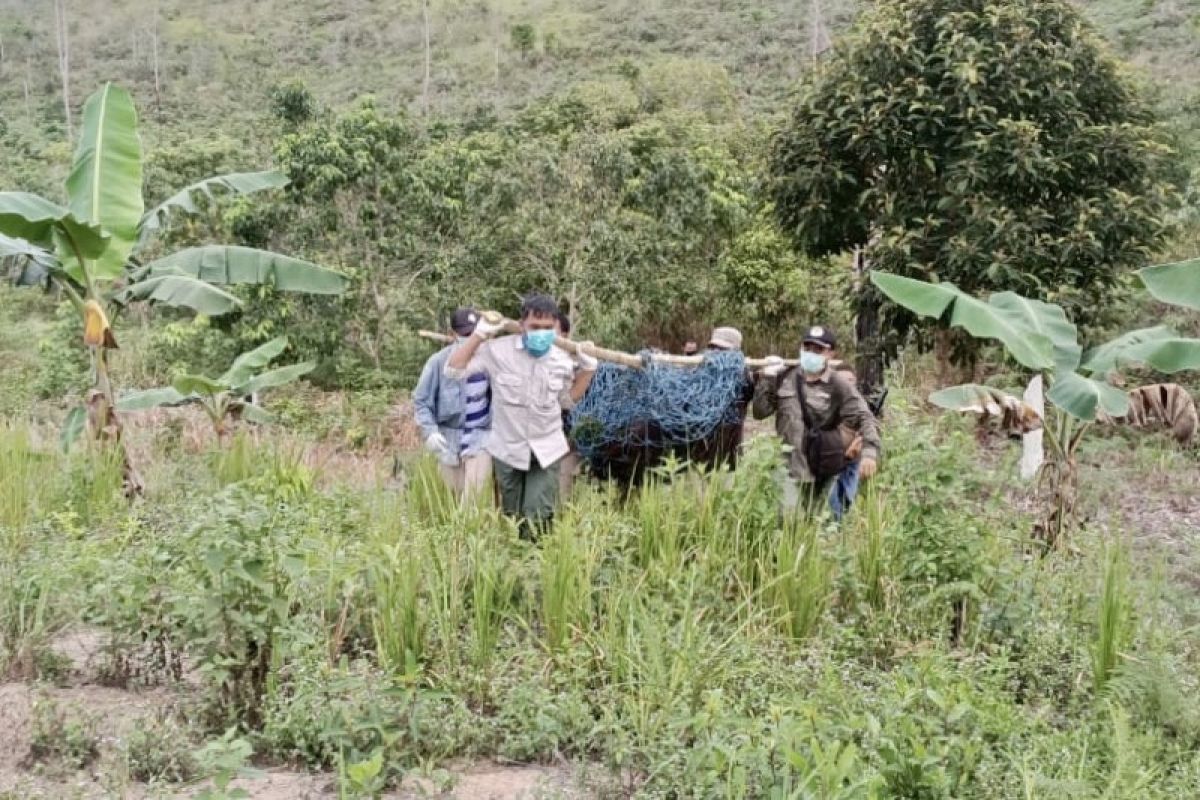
(658, 406)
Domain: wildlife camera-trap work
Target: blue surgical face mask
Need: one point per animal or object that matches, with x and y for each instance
(538, 343)
(812, 363)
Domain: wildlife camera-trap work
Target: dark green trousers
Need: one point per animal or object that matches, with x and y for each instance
(530, 495)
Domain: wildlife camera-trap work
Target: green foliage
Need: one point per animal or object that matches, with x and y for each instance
(161, 749)
(61, 736)
(232, 395)
(63, 368)
(992, 144)
(293, 103)
(1114, 623)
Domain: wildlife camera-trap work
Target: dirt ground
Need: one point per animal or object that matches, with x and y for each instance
(118, 712)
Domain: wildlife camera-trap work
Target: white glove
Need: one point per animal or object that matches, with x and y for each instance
(774, 366)
(486, 330)
(436, 443)
(587, 361)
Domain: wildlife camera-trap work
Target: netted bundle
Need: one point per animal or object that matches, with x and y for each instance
(658, 407)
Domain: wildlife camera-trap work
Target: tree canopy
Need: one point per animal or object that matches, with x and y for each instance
(993, 143)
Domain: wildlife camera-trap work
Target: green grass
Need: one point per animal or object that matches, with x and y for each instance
(686, 636)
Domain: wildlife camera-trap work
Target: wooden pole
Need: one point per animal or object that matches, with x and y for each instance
(614, 356)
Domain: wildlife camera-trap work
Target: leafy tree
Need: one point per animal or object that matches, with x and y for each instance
(90, 248)
(1040, 337)
(524, 38)
(992, 143)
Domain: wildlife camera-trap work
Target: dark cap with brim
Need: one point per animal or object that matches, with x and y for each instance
(463, 320)
(820, 335)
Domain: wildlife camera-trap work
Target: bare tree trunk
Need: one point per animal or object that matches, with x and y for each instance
(1, 54)
(25, 86)
(157, 83)
(496, 26)
(428, 61)
(64, 59)
(869, 362)
(820, 34)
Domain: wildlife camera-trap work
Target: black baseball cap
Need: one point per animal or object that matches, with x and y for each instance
(463, 321)
(821, 335)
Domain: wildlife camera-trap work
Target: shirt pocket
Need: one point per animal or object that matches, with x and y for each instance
(508, 388)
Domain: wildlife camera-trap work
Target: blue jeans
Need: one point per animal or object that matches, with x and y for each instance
(845, 487)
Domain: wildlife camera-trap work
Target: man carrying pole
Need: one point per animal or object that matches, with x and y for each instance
(454, 414)
(532, 382)
(816, 410)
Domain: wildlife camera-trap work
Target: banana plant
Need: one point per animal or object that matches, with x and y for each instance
(1039, 337)
(229, 397)
(92, 247)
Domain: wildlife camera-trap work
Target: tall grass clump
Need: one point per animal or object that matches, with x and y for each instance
(664, 516)
(493, 583)
(236, 461)
(26, 477)
(398, 619)
(446, 557)
(95, 481)
(799, 578)
(742, 535)
(26, 619)
(872, 519)
(430, 499)
(568, 562)
(1115, 618)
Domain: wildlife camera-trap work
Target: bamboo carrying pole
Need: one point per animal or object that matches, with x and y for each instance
(605, 354)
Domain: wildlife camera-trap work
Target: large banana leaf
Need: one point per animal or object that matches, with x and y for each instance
(245, 365)
(1177, 284)
(1082, 397)
(1046, 319)
(73, 427)
(181, 291)
(241, 183)
(33, 264)
(35, 219)
(151, 398)
(1166, 355)
(275, 377)
(1105, 358)
(256, 414)
(228, 265)
(196, 385)
(105, 184)
(1027, 345)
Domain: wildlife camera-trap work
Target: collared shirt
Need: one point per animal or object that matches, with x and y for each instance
(528, 396)
(780, 396)
(440, 406)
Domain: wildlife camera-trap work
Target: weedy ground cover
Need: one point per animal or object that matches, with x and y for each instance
(688, 641)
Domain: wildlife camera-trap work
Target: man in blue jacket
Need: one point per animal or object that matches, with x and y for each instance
(454, 414)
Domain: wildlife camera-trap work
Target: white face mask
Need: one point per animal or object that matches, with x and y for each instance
(812, 363)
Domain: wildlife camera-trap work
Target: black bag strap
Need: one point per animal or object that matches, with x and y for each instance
(805, 414)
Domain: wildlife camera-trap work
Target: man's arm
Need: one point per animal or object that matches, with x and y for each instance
(424, 397)
(766, 399)
(462, 361)
(583, 376)
(462, 356)
(857, 414)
